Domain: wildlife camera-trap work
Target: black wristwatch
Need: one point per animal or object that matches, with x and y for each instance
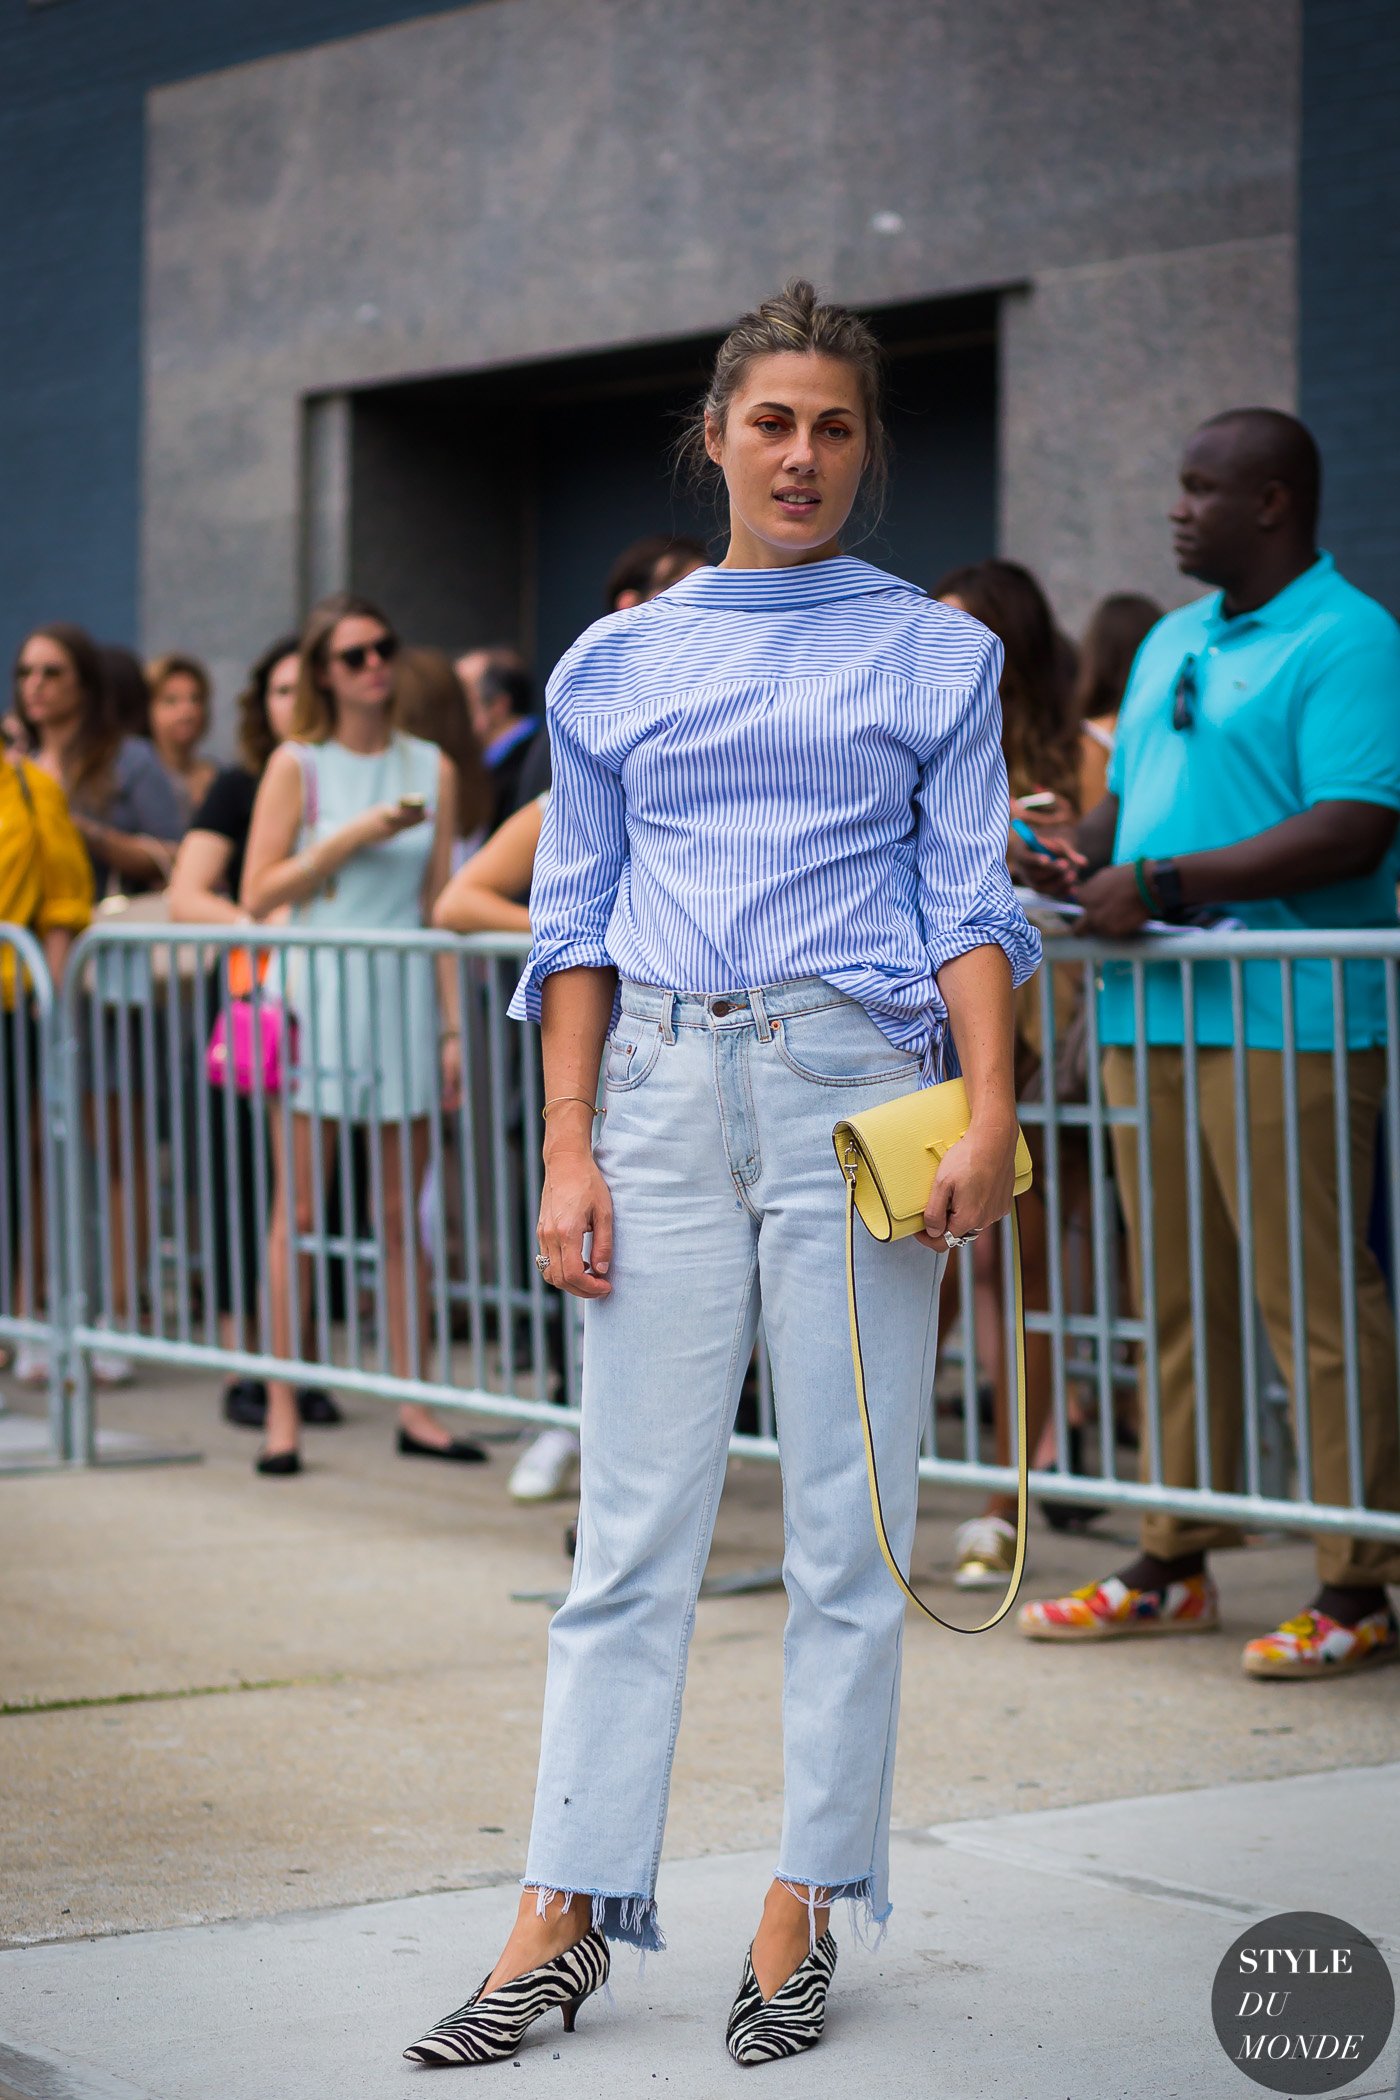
(1165, 879)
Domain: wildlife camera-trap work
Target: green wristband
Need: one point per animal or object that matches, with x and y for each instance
(1144, 889)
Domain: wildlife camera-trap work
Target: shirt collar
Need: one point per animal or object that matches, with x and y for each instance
(779, 590)
(1291, 607)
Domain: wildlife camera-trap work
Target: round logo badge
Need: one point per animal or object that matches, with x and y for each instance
(1303, 2003)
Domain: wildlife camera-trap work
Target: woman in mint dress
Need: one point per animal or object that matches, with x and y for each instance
(352, 830)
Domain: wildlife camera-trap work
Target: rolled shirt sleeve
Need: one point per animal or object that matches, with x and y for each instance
(580, 861)
(962, 807)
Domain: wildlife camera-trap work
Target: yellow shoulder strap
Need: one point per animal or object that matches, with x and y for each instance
(1022, 1454)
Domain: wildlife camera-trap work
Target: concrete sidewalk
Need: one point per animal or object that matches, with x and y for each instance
(1066, 1954)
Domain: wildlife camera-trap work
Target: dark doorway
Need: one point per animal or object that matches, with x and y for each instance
(488, 506)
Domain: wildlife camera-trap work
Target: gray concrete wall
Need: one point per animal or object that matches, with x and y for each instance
(533, 177)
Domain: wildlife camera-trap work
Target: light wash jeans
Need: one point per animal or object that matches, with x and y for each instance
(727, 1195)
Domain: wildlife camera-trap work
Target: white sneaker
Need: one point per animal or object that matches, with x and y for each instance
(110, 1368)
(31, 1364)
(986, 1551)
(547, 1469)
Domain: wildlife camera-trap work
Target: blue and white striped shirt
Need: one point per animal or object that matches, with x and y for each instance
(766, 774)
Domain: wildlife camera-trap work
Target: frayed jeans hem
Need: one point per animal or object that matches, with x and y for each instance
(867, 1924)
(630, 1919)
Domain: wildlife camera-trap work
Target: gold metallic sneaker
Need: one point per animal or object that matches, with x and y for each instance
(986, 1551)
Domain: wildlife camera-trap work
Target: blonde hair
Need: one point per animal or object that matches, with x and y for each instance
(795, 319)
(313, 716)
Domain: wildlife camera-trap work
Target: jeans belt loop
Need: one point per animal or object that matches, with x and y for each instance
(763, 1027)
(668, 1017)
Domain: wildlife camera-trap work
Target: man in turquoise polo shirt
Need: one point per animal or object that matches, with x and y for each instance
(1257, 768)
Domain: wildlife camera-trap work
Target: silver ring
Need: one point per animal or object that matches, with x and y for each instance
(541, 1262)
(956, 1239)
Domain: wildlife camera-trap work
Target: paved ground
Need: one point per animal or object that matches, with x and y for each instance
(971, 1994)
(227, 1698)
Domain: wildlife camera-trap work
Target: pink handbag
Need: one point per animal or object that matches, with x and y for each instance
(256, 1038)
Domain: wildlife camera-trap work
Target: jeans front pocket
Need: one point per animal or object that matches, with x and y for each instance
(841, 1046)
(633, 1048)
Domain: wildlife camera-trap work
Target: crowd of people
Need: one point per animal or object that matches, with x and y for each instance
(1240, 752)
(374, 786)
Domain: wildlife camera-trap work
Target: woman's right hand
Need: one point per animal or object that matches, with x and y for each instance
(576, 1200)
(385, 821)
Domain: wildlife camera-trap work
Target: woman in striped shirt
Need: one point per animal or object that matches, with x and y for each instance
(772, 870)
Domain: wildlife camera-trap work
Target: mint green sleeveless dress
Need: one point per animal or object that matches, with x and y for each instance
(367, 1045)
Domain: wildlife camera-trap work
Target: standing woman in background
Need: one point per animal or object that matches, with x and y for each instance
(179, 716)
(372, 855)
(1041, 742)
(203, 892)
(772, 867)
(46, 886)
(127, 813)
(1115, 633)
(117, 790)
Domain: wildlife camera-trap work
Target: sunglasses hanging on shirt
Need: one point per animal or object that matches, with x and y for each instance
(1185, 696)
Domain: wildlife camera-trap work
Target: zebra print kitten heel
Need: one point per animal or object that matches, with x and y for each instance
(762, 2029)
(484, 2030)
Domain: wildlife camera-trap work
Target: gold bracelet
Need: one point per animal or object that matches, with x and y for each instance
(560, 1099)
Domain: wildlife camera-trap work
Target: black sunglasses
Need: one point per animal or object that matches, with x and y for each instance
(356, 657)
(1185, 696)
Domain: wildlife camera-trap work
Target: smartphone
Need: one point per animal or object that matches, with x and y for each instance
(413, 802)
(1042, 799)
(1024, 832)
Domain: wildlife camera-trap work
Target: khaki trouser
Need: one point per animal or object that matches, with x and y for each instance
(1356, 1562)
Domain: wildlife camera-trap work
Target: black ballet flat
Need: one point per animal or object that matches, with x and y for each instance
(245, 1403)
(277, 1462)
(315, 1405)
(460, 1452)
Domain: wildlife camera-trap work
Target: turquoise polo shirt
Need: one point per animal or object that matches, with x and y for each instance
(1297, 702)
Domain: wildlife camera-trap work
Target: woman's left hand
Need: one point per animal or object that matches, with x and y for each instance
(451, 1072)
(973, 1187)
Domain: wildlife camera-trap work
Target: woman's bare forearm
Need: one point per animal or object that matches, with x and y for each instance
(976, 988)
(575, 1012)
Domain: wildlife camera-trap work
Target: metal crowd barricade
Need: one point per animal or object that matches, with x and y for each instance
(168, 1181)
(170, 1200)
(32, 1286)
(1106, 1347)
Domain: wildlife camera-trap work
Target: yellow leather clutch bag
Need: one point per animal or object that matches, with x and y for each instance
(889, 1156)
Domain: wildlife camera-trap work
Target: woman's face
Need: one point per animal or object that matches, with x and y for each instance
(792, 450)
(360, 662)
(46, 683)
(177, 714)
(281, 698)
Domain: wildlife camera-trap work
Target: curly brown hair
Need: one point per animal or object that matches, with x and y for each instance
(89, 774)
(256, 741)
(1039, 723)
